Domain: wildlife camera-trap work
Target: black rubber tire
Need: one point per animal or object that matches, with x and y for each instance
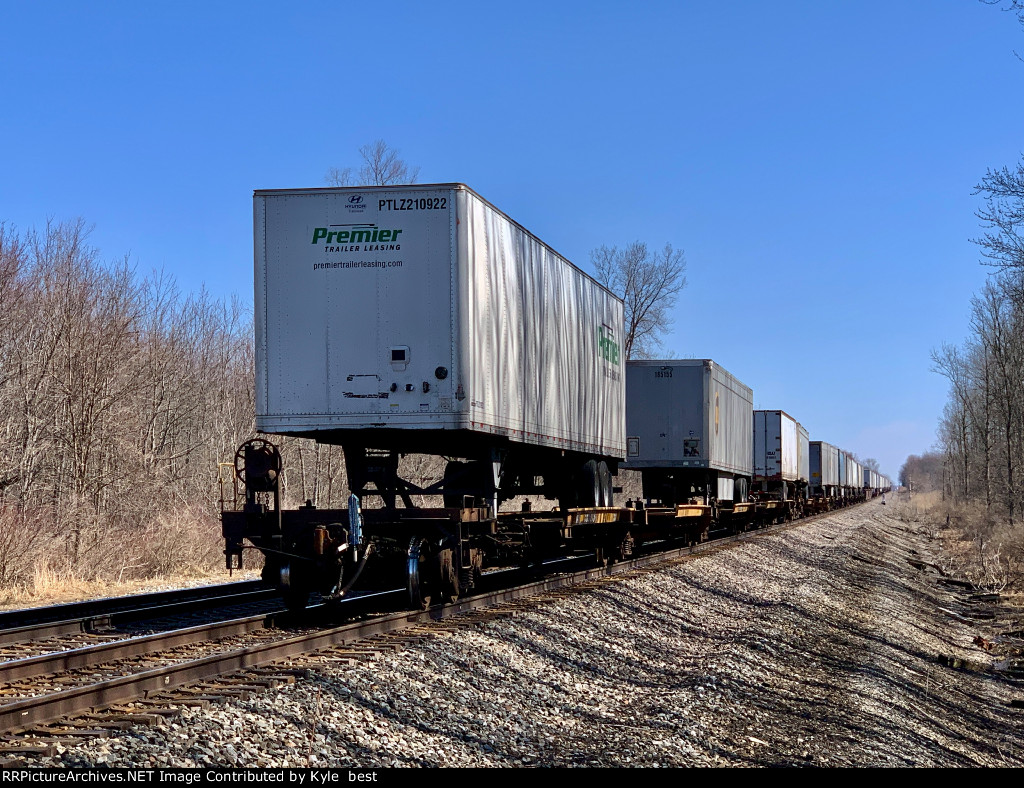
(588, 493)
(604, 482)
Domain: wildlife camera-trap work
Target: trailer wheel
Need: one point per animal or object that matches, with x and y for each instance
(588, 492)
(604, 479)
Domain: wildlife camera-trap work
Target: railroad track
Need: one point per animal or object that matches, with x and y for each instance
(89, 691)
(35, 624)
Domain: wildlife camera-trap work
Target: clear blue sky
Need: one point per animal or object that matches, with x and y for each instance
(815, 160)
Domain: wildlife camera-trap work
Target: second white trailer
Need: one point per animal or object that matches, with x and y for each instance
(689, 426)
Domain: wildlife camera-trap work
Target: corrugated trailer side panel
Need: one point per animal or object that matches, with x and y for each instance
(732, 419)
(856, 473)
(830, 470)
(804, 441)
(789, 448)
(541, 339)
(824, 464)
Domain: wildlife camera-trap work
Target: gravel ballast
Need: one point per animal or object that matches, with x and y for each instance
(828, 644)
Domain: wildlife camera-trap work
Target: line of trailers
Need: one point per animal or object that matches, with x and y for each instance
(695, 436)
(422, 320)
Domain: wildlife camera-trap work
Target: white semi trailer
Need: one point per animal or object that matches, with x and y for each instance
(423, 319)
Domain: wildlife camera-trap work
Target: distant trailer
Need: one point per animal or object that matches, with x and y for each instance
(872, 482)
(825, 482)
(689, 431)
(781, 464)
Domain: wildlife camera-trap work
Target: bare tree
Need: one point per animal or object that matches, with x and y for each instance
(339, 176)
(382, 166)
(982, 428)
(118, 399)
(648, 284)
(1015, 7)
(1002, 217)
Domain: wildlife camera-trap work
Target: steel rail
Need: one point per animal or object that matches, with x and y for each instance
(99, 608)
(87, 624)
(101, 653)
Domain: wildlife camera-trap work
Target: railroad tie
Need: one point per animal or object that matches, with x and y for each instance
(43, 749)
(159, 704)
(70, 733)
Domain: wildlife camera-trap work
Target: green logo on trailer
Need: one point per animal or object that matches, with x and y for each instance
(607, 348)
(360, 233)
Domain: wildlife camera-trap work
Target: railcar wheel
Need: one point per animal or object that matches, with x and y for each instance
(419, 568)
(294, 589)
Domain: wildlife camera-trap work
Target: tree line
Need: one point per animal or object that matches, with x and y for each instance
(981, 433)
(118, 395)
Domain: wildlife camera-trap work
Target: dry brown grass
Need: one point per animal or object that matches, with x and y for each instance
(978, 546)
(47, 588)
(167, 552)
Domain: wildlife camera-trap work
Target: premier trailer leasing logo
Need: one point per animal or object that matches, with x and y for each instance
(357, 233)
(356, 238)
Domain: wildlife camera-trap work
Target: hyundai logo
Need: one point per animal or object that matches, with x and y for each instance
(355, 199)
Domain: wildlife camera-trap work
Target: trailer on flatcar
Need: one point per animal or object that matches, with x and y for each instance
(689, 432)
(423, 320)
